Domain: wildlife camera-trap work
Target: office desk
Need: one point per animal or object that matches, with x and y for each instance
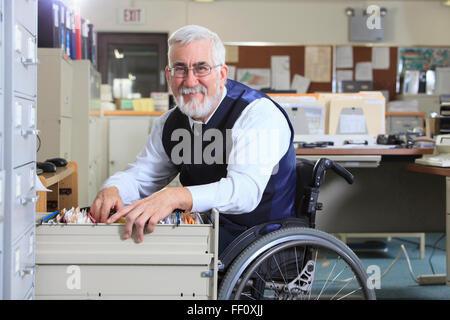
(364, 157)
(444, 172)
(367, 192)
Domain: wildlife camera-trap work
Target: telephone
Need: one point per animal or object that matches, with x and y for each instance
(441, 154)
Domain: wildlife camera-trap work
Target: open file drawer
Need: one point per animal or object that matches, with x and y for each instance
(77, 261)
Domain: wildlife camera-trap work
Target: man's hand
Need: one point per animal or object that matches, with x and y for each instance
(149, 211)
(107, 199)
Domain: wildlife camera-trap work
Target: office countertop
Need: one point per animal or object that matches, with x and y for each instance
(364, 151)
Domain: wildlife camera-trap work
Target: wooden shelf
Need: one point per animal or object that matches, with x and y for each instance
(127, 113)
(64, 186)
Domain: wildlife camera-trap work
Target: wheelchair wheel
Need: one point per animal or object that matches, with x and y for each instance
(296, 264)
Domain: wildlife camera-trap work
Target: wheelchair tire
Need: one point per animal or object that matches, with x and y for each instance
(250, 269)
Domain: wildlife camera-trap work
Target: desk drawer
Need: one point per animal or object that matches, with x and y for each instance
(22, 280)
(92, 261)
(25, 62)
(24, 139)
(25, 12)
(23, 199)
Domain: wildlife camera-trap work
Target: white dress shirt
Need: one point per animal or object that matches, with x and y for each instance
(261, 128)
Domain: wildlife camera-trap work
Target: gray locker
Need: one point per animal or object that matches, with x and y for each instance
(19, 148)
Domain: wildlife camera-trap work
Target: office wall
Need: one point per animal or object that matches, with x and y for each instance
(307, 22)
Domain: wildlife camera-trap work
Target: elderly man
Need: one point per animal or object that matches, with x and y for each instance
(238, 120)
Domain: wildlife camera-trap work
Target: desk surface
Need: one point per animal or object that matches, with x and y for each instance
(363, 151)
(50, 178)
(428, 169)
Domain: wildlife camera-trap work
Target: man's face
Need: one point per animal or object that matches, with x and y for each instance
(196, 96)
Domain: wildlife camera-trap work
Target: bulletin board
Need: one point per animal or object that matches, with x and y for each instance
(252, 56)
(383, 79)
(260, 57)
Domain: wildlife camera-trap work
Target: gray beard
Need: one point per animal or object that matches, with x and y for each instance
(197, 110)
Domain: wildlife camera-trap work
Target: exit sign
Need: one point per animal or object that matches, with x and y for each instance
(132, 15)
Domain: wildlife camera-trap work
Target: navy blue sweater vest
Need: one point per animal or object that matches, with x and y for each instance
(278, 198)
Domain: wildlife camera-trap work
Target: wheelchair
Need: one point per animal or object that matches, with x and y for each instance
(291, 260)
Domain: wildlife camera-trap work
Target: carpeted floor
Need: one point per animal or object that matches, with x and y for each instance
(398, 283)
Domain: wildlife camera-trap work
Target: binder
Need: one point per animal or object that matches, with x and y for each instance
(84, 38)
(77, 19)
(62, 25)
(73, 41)
(48, 24)
(92, 46)
(68, 31)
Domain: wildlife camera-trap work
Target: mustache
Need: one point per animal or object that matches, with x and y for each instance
(191, 90)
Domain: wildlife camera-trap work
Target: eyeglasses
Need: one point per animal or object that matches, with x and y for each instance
(200, 70)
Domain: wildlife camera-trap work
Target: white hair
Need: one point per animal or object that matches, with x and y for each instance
(191, 33)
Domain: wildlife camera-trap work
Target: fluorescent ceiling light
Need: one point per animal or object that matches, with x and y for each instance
(446, 3)
(203, 0)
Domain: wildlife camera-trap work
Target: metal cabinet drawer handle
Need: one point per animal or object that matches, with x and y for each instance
(29, 270)
(26, 132)
(29, 62)
(25, 200)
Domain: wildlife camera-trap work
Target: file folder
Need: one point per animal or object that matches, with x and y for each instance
(48, 24)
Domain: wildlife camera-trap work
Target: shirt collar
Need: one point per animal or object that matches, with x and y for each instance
(192, 121)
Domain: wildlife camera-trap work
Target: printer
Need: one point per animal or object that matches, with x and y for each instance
(441, 154)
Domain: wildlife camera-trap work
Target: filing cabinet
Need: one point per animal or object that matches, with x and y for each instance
(23, 265)
(24, 130)
(25, 62)
(89, 132)
(18, 91)
(55, 138)
(55, 94)
(23, 199)
(54, 102)
(171, 263)
(26, 15)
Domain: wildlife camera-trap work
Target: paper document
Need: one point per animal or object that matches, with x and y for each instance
(342, 75)
(318, 64)
(352, 124)
(39, 185)
(344, 57)
(363, 71)
(300, 84)
(281, 72)
(254, 78)
(380, 58)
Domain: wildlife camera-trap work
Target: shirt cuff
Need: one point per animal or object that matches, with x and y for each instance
(203, 197)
